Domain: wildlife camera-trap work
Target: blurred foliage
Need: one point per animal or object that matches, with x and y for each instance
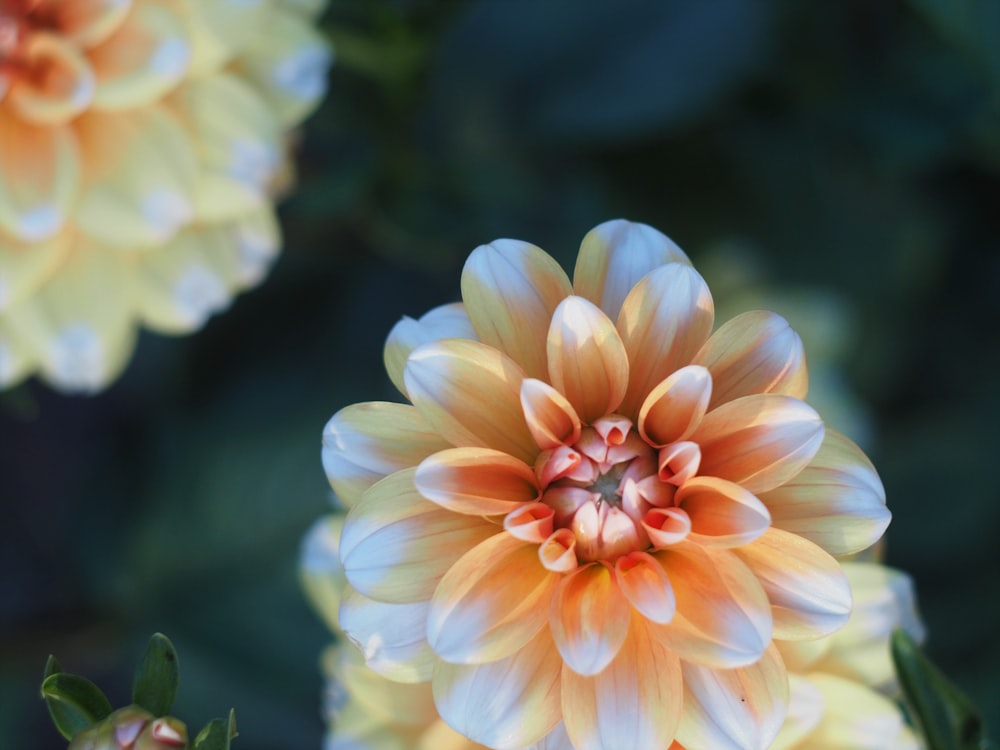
(854, 145)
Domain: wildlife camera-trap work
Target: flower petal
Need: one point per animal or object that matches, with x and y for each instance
(663, 322)
(443, 322)
(24, 266)
(587, 360)
(856, 717)
(837, 501)
(551, 419)
(58, 84)
(492, 601)
(87, 22)
(808, 591)
(505, 704)
(479, 481)
(614, 256)
(392, 637)
(734, 709)
(511, 289)
(645, 584)
(805, 710)
(320, 571)
(396, 545)
(531, 522)
(634, 703)
(759, 441)
(675, 406)
(722, 513)
(470, 393)
(756, 352)
(366, 442)
(723, 617)
(589, 618)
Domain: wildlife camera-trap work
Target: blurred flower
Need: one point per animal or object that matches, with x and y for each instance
(132, 728)
(596, 513)
(141, 143)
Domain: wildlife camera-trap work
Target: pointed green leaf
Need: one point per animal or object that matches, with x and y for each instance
(217, 734)
(155, 684)
(945, 716)
(74, 702)
(52, 666)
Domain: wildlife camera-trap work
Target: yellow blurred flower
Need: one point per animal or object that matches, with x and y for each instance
(141, 142)
(597, 515)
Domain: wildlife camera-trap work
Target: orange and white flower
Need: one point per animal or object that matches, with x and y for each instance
(596, 513)
(141, 142)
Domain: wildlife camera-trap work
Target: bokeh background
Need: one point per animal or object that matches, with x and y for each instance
(839, 162)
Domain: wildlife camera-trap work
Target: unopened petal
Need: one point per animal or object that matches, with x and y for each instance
(673, 409)
(443, 322)
(759, 441)
(511, 289)
(723, 514)
(551, 418)
(480, 481)
(491, 602)
(589, 617)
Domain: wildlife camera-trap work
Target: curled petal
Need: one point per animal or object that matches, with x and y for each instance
(808, 591)
(492, 601)
(837, 501)
(59, 83)
(723, 617)
(756, 352)
(722, 513)
(366, 442)
(88, 22)
(634, 703)
(551, 419)
(614, 256)
(734, 709)
(589, 619)
(646, 586)
(558, 552)
(532, 522)
(479, 481)
(511, 289)
(396, 545)
(666, 526)
(470, 394)
(675, 406)
(443, 322)
(678, 462)
(759, 441)
(664, 321)
(586, 359)
(505, 704)
(392, 637)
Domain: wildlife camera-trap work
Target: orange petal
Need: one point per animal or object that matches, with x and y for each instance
(392, 637)
(470, 393)
(723, 617)
(722, 513)
(551, 419)
(589, 618)
(734, 709)
(558, 552)
(675, 406)
(634, 703)
(614, 256)
(531, 522)
(666, 526)
(491, 603)
(511, 289)
(837, 501)
(57, 84)
(396, 545)
(756, 352)
(86, 22)
(664, 320)
(479, 481)
(587, 361)
(366, 442)
(506, 704)
(678, 462)
(444, 322)
(759, 441)
(808, 591)
(646, 586)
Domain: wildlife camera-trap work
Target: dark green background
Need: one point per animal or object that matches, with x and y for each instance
(854, 145)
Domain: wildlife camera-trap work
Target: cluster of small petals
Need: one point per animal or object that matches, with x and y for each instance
(142, 144)
(605, 515)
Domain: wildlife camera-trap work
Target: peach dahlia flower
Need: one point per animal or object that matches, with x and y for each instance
(141, 142)
(596, 515)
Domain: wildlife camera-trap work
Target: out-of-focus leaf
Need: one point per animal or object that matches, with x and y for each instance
(217, 734)
(946, 717)
(155, 684)
(74, 702)
(972, 25)
(52, 666)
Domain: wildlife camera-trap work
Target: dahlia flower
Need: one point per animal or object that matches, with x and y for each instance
(596, 516)
(141, 142)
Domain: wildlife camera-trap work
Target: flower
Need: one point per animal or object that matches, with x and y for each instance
(132, 728)
(596, 515)
(141, 142)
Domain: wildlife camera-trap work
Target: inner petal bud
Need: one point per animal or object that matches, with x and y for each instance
(604, 532)
(678, 462)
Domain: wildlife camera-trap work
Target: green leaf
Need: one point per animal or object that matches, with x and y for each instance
(52, 666)
(945, 716)
(155, 684)
(74, 702)
(217, 734)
